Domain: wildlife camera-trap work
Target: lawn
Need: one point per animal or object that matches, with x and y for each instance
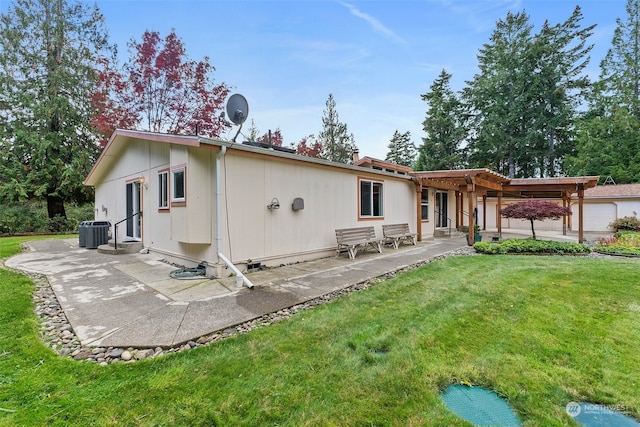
(539, 331)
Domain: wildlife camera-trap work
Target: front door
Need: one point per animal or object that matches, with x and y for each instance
(441, 209)
(134, 222)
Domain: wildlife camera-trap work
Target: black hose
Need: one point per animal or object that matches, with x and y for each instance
(190, 273)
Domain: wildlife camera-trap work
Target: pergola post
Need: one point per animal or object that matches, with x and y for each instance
(484, 212)
(580, 211)
(564, 218)
(470, 201)
(419, 211)
(498, 216)
(458, 209)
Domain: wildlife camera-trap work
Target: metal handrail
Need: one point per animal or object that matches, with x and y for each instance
(115, 228)
(448, 220)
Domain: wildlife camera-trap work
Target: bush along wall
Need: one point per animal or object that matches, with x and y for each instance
(531, 246)
(627, 223)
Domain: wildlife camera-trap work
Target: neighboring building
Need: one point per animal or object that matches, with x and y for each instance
(606, 203)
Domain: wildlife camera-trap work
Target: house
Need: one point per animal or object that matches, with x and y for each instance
(241, 205)
(203, 199)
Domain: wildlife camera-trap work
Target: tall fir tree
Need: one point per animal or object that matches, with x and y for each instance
(498, 98)
(401, 150)
(608, 142)
(562, 55)
(48, 58)
(337, 143)
(524, 100)
(444, 125)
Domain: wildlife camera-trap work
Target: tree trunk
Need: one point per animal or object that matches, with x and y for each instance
(55, 206)
(532, 230)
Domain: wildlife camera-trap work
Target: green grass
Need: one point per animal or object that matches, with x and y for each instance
(539, 331)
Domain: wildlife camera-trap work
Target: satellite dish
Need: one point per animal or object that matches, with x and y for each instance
(237, 109)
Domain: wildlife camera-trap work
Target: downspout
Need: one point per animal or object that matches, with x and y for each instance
(241, 278)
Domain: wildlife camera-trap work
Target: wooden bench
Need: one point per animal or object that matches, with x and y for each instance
(396, 233)
(353, 239)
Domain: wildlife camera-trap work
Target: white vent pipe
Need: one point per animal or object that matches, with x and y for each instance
(241, 277)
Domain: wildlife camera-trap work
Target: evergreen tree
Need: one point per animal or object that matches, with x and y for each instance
(444, 125)
(562, 55)
(254, 133)
(525, 97)
(337, 143)
(48, 58)
(620, 69)
(608, 141)
(499, 99)
(401, 150)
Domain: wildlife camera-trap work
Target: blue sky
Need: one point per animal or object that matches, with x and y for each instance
(376, 57)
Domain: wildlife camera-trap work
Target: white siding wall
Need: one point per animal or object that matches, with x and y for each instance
(330, 201)
(249, 183)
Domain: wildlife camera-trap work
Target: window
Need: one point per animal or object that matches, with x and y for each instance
(370, 199)
(163, 189)
(178, 185)
(424, 204)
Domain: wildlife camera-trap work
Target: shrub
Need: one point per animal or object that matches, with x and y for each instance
(627, 223)
(31, 217)
(23, 218)
(531, 246)
(621, 243)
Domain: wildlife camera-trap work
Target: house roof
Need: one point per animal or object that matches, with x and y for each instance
(614, 191)
(373, 163)
(121, 138)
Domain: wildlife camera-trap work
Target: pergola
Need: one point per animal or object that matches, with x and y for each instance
(486, 183)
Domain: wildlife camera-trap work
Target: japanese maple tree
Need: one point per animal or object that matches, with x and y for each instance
(535, 210)
(160, 90)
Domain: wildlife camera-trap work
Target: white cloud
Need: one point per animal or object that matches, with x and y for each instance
(375, 23)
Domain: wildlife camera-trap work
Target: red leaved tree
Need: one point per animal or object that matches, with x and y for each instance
(276, 138)
(535, 210)
(162, 89)
(112, 101)
(308, 146)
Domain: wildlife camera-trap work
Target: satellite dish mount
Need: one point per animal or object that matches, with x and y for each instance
(237, 111)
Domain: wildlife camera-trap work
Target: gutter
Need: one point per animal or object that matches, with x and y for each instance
(241, 277)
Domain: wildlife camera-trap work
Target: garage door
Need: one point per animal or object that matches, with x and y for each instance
(596, 217)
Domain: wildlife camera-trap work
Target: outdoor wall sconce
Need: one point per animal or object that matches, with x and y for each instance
(104, 208)
(275, 204)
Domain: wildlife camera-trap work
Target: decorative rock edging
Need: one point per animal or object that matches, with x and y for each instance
(58, 334)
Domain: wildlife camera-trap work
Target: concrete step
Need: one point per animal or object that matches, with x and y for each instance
(123, 248)
(444, 232)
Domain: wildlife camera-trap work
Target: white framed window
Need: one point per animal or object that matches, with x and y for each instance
(424, 204)
(163, 189)
(371, 199)
(178, 185)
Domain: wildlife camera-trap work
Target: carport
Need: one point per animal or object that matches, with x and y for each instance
(470, 184)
